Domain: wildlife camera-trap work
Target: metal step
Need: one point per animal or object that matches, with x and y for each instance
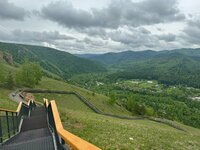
(38, 111)
(45, 143)
(29, 135)
(37, 120)
(34, 134)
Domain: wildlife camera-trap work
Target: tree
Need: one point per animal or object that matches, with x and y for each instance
(112, 99)
(29, 75)
(130, 104)
(9, 81)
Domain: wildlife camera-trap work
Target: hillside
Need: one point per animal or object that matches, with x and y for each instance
(134, 56)
(104, 131)
(57, 62)
(173, 67)
(117, 58)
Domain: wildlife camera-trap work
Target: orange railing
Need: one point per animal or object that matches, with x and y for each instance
(18, 108)
(72, 140)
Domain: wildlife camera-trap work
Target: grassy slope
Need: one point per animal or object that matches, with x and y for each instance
(70, 101)
(5, 101)
(107, 132)
(98, 100)
(112, 133)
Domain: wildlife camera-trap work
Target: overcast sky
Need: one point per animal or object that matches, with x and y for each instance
(91, 26)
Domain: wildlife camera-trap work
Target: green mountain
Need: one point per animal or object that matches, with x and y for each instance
(180, 66)
(128, 57)
(117, 58)
(170, 68)
(54, 61)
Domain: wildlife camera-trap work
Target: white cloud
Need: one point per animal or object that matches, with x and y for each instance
(101, 26)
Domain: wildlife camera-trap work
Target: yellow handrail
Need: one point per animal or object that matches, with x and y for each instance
(46, 102)
(14, 111)
(19, 106)
(74, 141)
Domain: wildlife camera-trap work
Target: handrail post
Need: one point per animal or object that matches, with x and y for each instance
(13, 123)
(8, 124)
(17, 123)
(1, 135)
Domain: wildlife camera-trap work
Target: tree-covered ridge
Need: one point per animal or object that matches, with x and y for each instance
(172, 69)
(57, 62)
(181, 66)
(133, 56)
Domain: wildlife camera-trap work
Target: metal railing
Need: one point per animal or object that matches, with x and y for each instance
(10, 120)
(64, 138)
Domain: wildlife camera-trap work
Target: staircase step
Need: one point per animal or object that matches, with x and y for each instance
(29, 135)
(34, 123)
(34, 134)
(45, 143)
(37, 113)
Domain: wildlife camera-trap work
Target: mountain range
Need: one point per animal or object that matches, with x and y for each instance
(179, 66)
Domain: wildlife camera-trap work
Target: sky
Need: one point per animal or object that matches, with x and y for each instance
(91, 26)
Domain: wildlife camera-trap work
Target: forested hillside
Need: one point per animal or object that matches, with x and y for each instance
(181, 66)
(57, 62)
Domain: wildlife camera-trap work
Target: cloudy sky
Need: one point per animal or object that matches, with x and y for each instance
(91, 26)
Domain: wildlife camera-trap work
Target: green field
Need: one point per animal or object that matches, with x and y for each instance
(98, 100)
(111, 133)
(70, 101)
(106, 132)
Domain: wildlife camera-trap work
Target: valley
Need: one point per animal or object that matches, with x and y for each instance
(166, 115)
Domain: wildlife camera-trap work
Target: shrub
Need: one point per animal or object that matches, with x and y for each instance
(149, 111)
(29, 75)
(140, 109)
(112, 99)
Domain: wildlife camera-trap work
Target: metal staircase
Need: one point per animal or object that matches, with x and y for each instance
(39, 127)
(34, 133)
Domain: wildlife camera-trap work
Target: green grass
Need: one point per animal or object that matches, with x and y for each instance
(106, 132)
(5, 101)
(98, 100)
(68, 101)
(111, 133)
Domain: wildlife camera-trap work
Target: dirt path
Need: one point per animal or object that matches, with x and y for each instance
(15, 97)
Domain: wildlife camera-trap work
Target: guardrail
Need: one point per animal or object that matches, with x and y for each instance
(62, 136)
(96, 110)
(10, 119)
